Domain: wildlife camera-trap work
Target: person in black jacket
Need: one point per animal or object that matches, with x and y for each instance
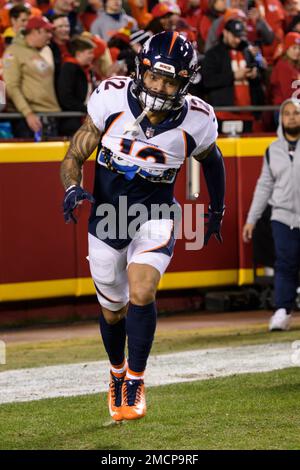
(75, 81)
(232, 76)
(59, 43)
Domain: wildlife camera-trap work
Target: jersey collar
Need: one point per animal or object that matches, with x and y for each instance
(173, 119)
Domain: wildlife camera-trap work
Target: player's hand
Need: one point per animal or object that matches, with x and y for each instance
(73, 195)
(214, 225)
(248, 232)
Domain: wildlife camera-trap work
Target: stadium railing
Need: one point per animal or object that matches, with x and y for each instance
(65, 114)
(9, 116)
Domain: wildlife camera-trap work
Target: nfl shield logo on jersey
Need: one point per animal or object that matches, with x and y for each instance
(149, 132)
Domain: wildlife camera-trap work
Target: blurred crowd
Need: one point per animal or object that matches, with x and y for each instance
(54, 53)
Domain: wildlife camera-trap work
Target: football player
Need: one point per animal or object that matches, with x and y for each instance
(144, 128)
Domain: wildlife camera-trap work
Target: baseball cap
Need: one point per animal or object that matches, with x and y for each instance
(162, 9)
(291, 39)
(236, 27)
(39, 22)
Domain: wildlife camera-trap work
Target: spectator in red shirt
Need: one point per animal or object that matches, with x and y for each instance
(102, 65)
(211, 9)
(90, 13)
(273, 13)
(286, 70)
(122, 52)
(191, 12)
(165, 17)
(140, 11)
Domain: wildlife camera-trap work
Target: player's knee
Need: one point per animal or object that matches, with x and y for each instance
(112, 320)
(142, 293)
(111, 317)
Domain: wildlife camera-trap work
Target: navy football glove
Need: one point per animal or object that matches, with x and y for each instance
(73, 196)
(214, 225)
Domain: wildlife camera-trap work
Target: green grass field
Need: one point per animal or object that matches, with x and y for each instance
(70, 351)
(250, 411)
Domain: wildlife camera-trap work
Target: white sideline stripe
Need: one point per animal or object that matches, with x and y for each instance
(92, 377)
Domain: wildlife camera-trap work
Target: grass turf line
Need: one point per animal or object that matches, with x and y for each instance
(44, 353)
(248, 411)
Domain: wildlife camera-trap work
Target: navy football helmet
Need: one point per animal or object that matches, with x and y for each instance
(169, 54)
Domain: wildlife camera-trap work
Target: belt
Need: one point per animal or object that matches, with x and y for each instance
(111, 162)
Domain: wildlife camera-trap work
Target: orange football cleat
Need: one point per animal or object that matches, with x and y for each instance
(133, 399)
(115, 397)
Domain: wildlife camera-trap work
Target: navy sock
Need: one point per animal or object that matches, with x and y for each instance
(114, 338)
(140, 328)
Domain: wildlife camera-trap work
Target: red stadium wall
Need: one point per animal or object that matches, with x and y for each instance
(41, 257)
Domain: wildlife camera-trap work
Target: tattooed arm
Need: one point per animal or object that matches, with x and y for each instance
(81, 147)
